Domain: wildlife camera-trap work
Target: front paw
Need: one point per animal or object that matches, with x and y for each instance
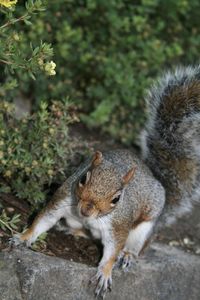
(17, 240)
(125, 260)
(103, 283)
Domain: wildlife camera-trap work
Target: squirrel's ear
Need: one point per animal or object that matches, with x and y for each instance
(97, 158)
(129, 175)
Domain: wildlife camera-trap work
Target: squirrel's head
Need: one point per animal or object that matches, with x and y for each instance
(99, 189)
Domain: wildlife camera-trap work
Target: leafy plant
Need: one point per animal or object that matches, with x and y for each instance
(40, 243)
(17, 56)
(108, 52)
(9, 222)
(35, 150)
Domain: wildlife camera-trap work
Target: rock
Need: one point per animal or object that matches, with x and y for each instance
(164, 273)
(9, 282)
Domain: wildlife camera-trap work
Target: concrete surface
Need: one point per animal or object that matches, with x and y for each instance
(164, 273)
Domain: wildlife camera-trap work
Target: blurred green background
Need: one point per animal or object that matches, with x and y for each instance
(107, 53)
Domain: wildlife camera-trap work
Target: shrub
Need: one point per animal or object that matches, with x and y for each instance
(16, 56)
(35, 150)
(108, 52)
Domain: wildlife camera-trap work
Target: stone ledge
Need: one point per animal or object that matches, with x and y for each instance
(164, 273)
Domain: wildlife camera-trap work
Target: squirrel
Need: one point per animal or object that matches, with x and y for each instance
(119, 197)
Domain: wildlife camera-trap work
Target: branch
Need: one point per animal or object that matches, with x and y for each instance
(7, 226)
(14, 21)
(5, 62)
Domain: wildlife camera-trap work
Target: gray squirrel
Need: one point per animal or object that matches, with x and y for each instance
(118, 197)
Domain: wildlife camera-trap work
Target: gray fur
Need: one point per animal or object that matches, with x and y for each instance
(178, 140)
(143, 189)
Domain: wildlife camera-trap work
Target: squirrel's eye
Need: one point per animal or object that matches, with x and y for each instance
(116, 199)
(84, 179)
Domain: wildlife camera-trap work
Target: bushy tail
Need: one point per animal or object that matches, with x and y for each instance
(171, 141)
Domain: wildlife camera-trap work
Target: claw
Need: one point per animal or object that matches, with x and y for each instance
(110, 284)
(125, 260)
(94, 278)
(15, 240)
(103, 284)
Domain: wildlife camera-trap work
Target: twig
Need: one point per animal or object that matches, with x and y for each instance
(13, 22)
(5, 62)
(7, 226)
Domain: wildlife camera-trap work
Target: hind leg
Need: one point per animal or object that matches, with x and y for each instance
(135, 243)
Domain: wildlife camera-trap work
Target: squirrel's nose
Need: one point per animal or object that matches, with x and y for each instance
(86, 211)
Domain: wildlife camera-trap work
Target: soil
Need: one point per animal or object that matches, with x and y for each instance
(185, 234)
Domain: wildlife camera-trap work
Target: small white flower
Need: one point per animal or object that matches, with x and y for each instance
(50, 68)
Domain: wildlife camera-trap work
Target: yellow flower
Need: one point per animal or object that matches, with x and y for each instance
(51, 131)
(16, 36)
(45, 145)
(8, 3)
(27, 170)
(50, 172)
(15, 162)
(50, 68)
(8, 173)
(34, 163)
